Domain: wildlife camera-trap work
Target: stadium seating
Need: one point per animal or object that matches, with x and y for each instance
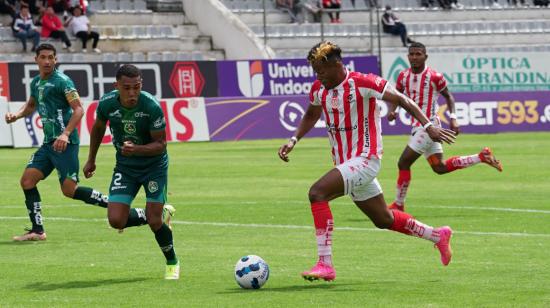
(129, 32)
(477, 26)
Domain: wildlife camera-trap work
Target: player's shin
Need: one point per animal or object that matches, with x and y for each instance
(32, 201)
(403, 182)
(405, 223)
(324, 225)
(164, 238)
(461, 162)
(90, 196)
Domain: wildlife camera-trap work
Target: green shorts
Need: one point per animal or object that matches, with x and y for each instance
(125, 185)
(46, 159)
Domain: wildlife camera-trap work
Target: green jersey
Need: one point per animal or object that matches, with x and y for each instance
(53, 108)
(133, 125)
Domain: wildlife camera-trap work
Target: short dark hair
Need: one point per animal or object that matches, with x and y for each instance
(128, 70)
(417, 45)
(45, 46)
(325, 51)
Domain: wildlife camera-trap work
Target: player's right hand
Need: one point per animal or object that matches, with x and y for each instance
(11, 117)
(89, 169)
(392, 116)
(439, 134)
(285, 149)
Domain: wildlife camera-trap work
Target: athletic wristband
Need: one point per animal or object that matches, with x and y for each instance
(427, 125)
(452, 115)
(294, 139)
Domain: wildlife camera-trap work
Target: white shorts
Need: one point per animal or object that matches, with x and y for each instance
(359, 175)
(421, 143)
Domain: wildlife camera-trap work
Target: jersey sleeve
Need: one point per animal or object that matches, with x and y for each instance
(67, 86)
(440, 82)
(100, 112)
(314, 93)
(372, 86)
(399, 83)
(157, 120)
(33, 90)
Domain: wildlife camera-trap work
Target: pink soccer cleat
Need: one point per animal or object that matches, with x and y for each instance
(486, 156)
(320, 271)
(30, 236)
(395, 206)
(444, 244)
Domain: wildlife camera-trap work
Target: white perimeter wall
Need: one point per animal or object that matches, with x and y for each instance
(227, 30)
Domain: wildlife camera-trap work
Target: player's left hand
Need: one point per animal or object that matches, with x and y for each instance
(60, 144)
(454, 126)
(439, 134)
(392, 116)
(128, 148)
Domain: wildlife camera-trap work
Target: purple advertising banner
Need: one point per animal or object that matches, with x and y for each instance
(255, 78)
(236, 118)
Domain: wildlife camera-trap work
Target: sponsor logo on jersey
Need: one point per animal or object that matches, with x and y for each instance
(158, 122)
(115, 114)
(250, 77)
(141, 114)
(153, 186)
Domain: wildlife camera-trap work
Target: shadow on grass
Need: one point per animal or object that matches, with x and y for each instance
(15, 243)
(334, 287)
(42, 286)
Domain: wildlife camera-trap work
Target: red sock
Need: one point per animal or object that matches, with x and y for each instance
(324, 224)
(403, 182)
(400, 220)
(405, 223)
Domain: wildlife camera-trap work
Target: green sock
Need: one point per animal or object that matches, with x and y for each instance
(90, 196)
(166, 244)
(136, 218)
(32, 201)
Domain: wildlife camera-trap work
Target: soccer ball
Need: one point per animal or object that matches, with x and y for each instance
(251, 272)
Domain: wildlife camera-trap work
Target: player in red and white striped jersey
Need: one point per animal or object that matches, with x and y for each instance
(348, 102)
(423, 85)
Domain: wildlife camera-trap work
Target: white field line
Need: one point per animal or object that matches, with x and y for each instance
(475, 208)
(276, 226)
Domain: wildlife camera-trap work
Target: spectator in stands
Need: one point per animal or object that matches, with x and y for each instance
(393, 25)
(313, 7)
(290, 7)
(541, 2)
(24, 28)
(7, 7)
(52, 27)
(80, 27)
(31, 4)
(333, 4)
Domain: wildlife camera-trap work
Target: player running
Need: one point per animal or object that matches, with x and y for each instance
(138, 128)
(423, 85)
(54, 95)
(348, 102)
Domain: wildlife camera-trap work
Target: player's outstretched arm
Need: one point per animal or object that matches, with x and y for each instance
(153, 148)
(96, 135)
(451, 107)
(26, 110)
(312, 115)
(437, 134)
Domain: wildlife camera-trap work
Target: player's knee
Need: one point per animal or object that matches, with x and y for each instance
(383, 222)
(316, 194)
(117, 222)
(67, 192)
(27, 183)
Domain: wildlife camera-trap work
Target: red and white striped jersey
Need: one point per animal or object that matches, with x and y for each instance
(352, 115)
(423, 89)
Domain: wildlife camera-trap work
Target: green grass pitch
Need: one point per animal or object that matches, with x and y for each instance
(238, 198)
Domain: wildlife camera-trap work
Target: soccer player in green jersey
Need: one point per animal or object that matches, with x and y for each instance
(137, 125)
(54, 95)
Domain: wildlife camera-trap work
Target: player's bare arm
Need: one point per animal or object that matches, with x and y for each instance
(60, 144)
(392, 96)
(449, 98)
(156, 147)
(96, 135)
(392, 113)
(312, 115)
(26, 110)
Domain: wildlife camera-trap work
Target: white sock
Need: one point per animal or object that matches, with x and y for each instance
(324, 243)
(421, 230)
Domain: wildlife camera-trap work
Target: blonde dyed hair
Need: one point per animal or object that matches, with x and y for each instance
(324, 52)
